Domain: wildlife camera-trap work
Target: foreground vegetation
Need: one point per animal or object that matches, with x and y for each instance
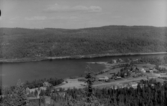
(148, 93)
(19, 43)
(38, 83)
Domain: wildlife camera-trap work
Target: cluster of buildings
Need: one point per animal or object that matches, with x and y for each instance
(36, 91)
(125, 85)
(114, 61)
(67, 84)
(130, 71)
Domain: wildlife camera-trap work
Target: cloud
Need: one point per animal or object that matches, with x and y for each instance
(36, 18)
(79, 8)
(14, 18)
(64, 17)
(42, 18)
(2, 18)
(1, 75)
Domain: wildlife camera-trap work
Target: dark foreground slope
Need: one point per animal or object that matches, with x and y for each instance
(49, 42)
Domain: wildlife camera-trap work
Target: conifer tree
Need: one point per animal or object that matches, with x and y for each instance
(89, 81)
(16, 96)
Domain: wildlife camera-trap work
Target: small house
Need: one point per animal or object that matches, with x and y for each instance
(163, 66)
(132, 84)
(120, 60)
(103, 78)
(114, 61)
(118, 77)
(46, 84)
(143, 70)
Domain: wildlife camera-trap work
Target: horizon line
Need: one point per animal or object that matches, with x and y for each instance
(89, 27)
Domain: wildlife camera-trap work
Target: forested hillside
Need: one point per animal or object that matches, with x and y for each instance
(49, 42)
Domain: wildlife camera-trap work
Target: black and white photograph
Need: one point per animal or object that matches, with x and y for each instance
(83, 52)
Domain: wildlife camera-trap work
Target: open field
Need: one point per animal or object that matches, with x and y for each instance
(72, 83)
(118, 82)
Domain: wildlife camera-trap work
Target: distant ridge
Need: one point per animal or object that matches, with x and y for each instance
(21, 43)
(107, 26)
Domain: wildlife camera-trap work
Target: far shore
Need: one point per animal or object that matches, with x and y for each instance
(77, 57)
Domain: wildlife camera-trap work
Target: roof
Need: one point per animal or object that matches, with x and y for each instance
(46, 84)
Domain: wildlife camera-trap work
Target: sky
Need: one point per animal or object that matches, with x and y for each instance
(82, 13)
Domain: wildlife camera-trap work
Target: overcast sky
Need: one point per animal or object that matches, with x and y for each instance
(82, 13)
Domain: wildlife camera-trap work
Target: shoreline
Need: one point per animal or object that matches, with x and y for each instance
(22, 60)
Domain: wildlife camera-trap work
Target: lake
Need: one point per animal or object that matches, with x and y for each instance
(28, 71)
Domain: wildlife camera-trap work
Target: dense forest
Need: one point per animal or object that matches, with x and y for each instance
(148, 93)
(49, 42)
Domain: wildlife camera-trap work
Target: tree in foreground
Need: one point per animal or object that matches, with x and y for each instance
(89, 81)
(15, 96)
(91, 100)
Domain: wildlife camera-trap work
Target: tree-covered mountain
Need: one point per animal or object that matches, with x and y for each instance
(49, 42)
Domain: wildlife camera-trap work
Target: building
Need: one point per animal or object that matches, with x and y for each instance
(120, 60)
(163, 66)
(152, 70)
(133, 84)
(46, 84)
(103, 78)
(143, 70)
(157, 75)
(118, 77)
(114, 61)
(38, 90)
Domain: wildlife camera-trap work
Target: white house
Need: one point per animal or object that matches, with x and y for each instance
(46, 84)
(143, 70)
(103, 78)
(134, 85)
(114, 61)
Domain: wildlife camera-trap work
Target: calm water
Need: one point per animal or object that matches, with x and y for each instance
(12, 72)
